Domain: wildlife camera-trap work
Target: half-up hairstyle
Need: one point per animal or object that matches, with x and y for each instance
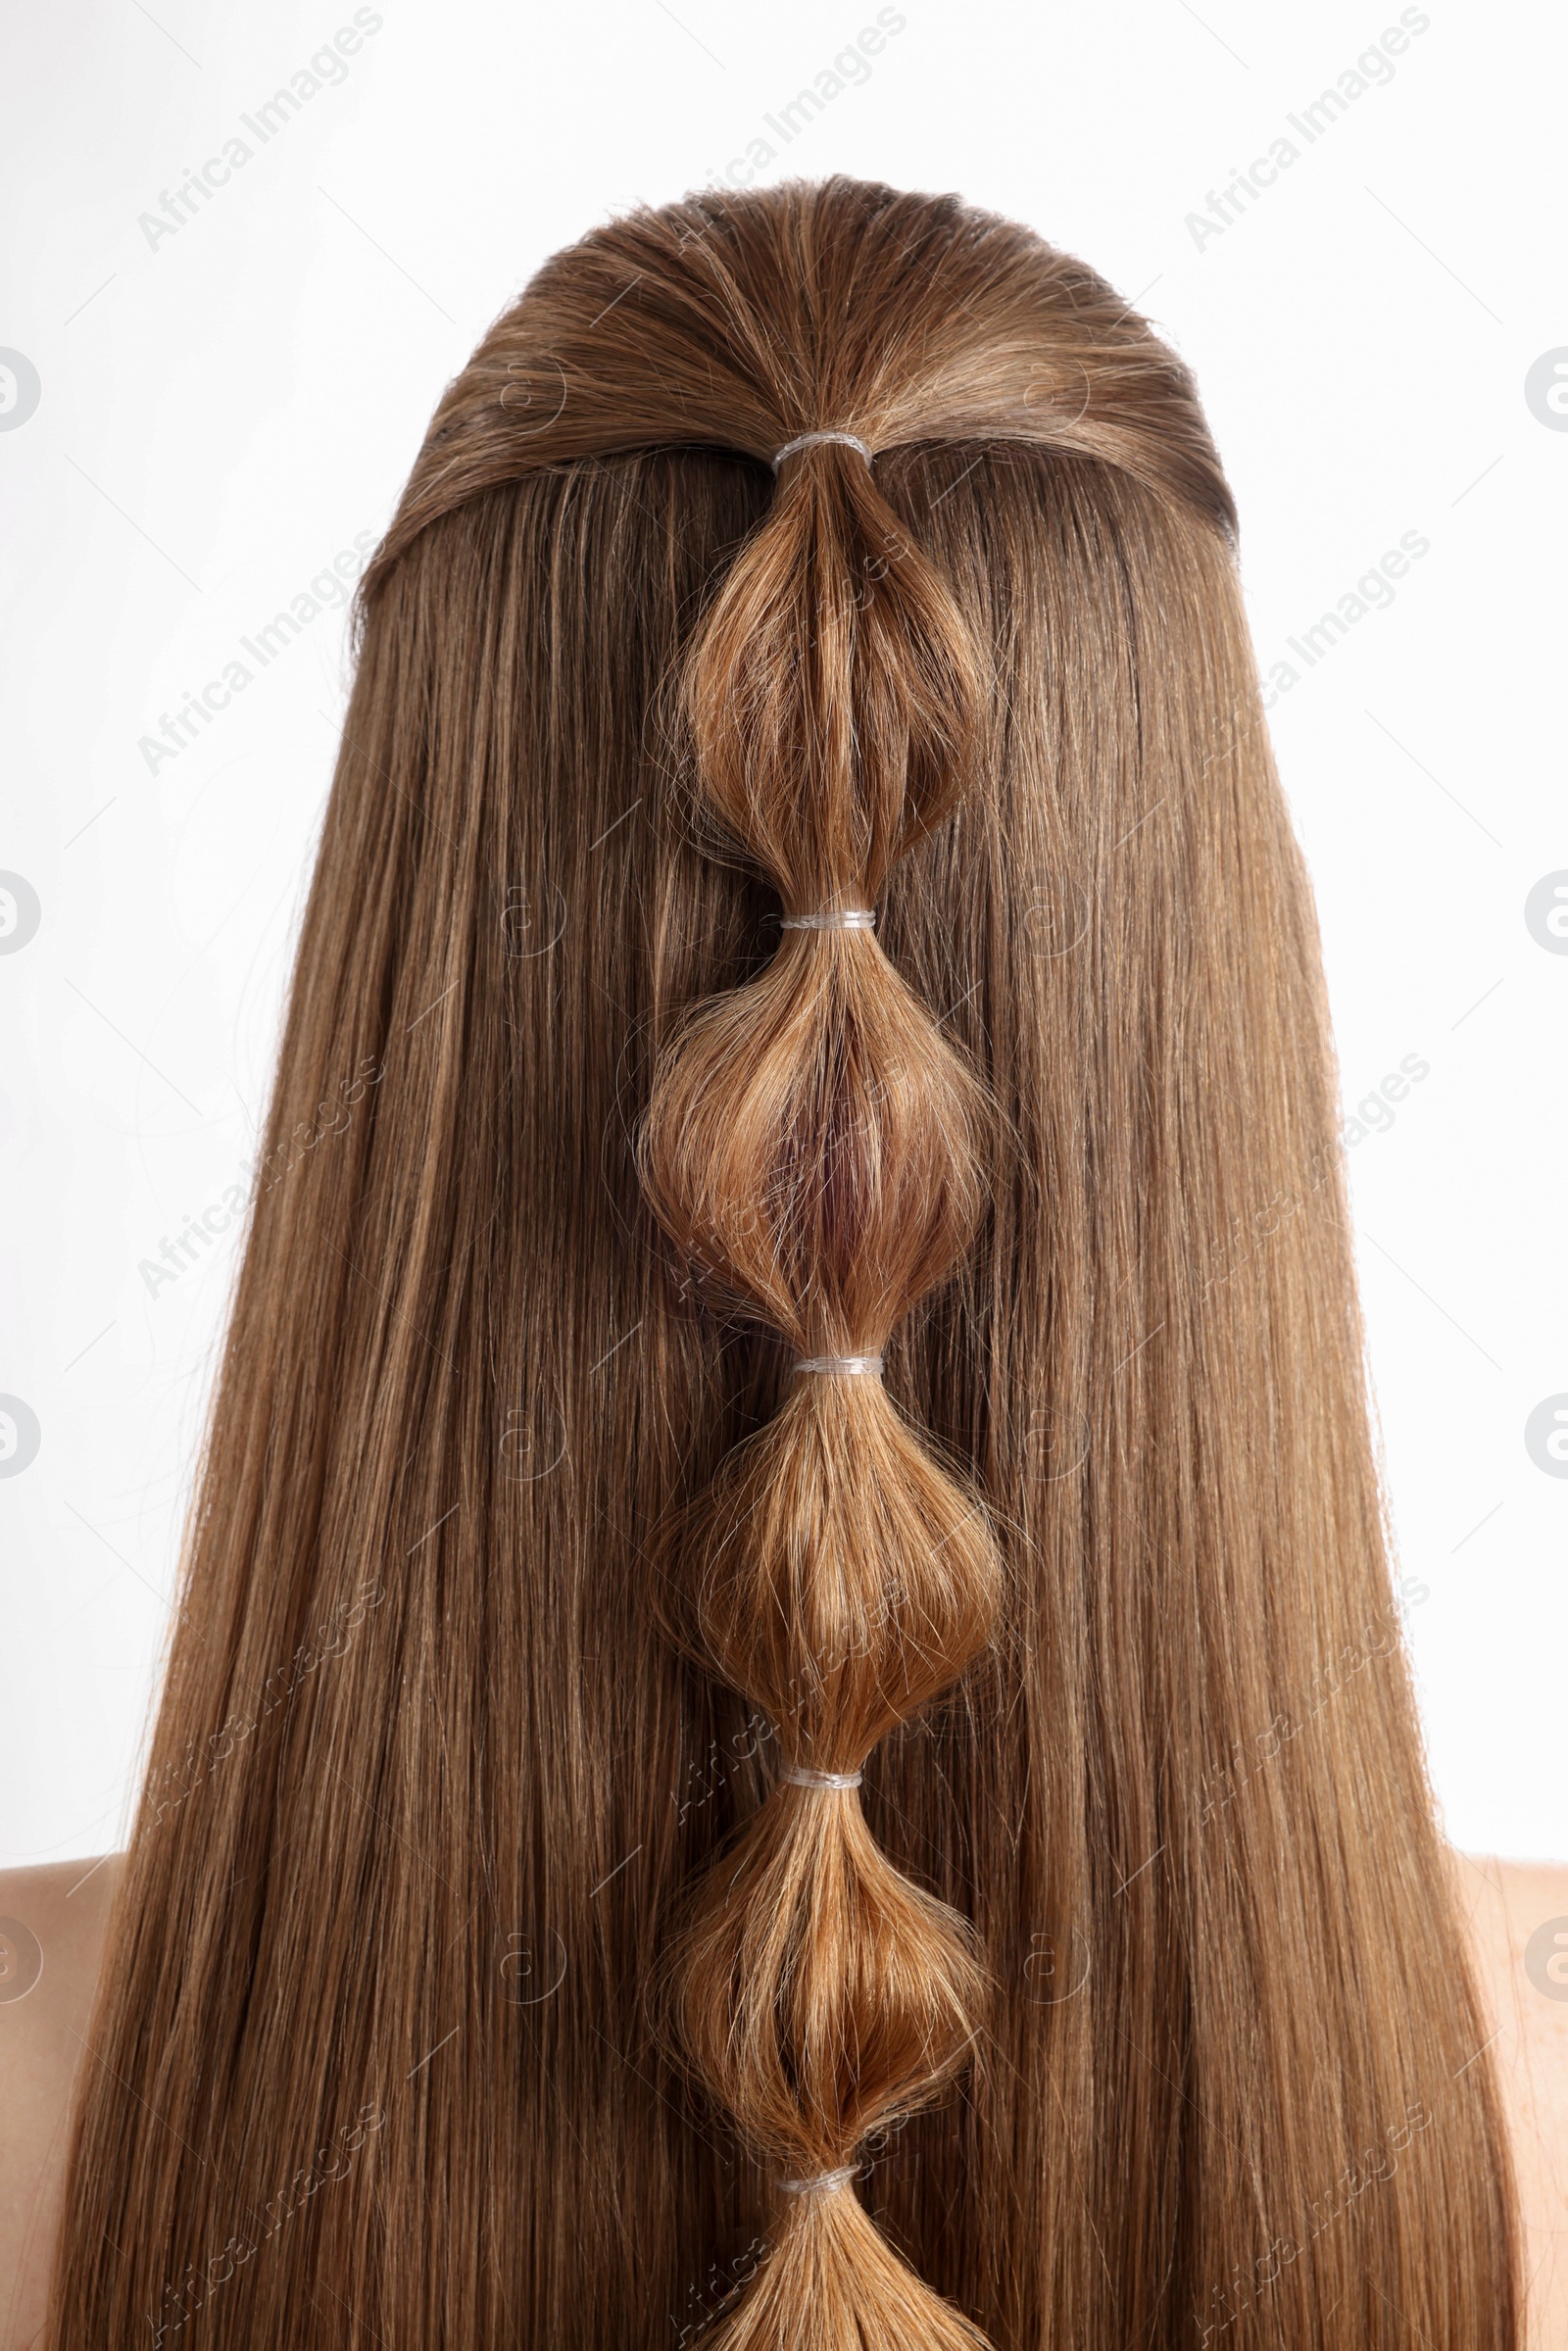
(845, 1777)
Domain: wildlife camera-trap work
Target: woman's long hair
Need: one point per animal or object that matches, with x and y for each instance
(652, 1830)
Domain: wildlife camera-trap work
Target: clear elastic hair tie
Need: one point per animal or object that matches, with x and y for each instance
(801, 1775)
(820, 2184)
(809, 440)
(847, 1367)
(832, 918)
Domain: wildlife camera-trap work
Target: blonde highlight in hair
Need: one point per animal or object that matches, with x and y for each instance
(854, 1428)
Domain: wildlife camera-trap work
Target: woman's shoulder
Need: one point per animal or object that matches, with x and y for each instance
(52, 1924)
(53, 1921)
(1517, 1916)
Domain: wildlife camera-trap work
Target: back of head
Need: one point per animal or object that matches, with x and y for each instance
(786, 1716)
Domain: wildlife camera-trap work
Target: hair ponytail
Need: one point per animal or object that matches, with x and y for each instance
(818, 1147)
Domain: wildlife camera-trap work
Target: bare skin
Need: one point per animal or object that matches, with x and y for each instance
(65, 1907)
(1504, 1904)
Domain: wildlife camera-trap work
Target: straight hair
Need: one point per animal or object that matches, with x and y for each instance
(645, 1839)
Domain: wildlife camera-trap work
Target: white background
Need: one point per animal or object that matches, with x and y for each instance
(223, 410)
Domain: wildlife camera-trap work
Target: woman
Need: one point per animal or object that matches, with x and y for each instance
(786, 1717)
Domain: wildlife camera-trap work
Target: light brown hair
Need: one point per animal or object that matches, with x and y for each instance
(481, 1974)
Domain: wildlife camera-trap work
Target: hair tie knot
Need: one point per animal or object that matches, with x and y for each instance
(809, 440)
(831, 918)
(801, 1775)
(820, 2184)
